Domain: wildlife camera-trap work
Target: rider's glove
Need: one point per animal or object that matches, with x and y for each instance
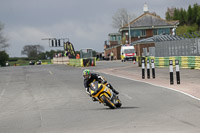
(102, 79)
(104, 82)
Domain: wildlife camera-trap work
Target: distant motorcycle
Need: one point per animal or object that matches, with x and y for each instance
(39, 62)
(32, 63)
(104, 95)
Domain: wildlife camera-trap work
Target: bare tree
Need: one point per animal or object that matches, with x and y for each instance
(154, 13)
(32, 50)
(121, 18)
(3, 40)
(170, 13)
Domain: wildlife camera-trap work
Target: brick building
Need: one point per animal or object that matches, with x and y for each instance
(113, 45)
(145, 26)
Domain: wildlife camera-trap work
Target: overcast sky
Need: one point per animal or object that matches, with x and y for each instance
(86, 23)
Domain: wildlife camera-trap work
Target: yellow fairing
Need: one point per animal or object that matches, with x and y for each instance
(101, 92)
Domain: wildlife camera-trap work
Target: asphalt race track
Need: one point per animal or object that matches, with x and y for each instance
(52, 99)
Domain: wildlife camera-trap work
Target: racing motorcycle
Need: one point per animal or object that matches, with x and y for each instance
(104, 95)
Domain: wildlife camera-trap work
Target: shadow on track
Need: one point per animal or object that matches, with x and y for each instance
(127, 107)
(124, 108)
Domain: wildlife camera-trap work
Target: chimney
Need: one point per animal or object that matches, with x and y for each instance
(145, 8)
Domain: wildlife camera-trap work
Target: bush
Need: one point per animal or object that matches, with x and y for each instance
(13, 59)
(3, 58)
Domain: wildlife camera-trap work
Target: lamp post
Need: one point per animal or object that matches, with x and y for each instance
(129, 30)
(126, 37)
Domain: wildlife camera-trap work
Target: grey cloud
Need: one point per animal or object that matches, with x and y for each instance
(86, 22)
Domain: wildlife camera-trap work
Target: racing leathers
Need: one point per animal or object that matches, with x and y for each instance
(98, 78)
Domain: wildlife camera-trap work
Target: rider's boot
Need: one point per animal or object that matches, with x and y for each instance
(94, 99)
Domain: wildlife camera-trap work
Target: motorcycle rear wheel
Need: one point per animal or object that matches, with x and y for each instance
(108, 102)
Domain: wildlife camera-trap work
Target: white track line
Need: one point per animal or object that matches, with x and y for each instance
(3, 91)
(126, 95)
(51, 72)
(154, 85)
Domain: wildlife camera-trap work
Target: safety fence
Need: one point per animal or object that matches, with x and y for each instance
(83, 62)
(60, 60)
(192, 62)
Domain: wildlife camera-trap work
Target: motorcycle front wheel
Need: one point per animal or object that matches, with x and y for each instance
(108, 102)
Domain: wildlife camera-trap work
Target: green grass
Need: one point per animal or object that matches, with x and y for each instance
(21, 62)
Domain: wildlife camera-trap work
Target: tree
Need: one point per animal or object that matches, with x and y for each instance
(170, 13)
(194, 13)
(198, 18)
(42, 56)
(189, 15)
(3, 40)
(32, 50)
(50, 54)
(154, 13)
(121, 18)
(184, 16)
(3, 58)
(176, 14)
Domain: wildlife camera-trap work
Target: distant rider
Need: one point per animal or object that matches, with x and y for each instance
(89, 78)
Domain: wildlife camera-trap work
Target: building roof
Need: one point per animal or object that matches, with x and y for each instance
(117, 34)
(158, 38)
(150, 20)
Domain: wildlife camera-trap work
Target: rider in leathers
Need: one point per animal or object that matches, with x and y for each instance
(89, 77)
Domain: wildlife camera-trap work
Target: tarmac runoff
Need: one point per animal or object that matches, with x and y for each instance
(126, 95)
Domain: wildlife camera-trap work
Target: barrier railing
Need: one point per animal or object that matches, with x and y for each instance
(192, 62)
(85, 62)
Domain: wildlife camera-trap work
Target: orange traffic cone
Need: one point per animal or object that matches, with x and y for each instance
(92, 64)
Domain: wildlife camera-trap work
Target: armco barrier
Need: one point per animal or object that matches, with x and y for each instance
(197, 62)
(192, 62)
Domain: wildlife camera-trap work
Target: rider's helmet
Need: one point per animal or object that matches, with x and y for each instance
(87, 74)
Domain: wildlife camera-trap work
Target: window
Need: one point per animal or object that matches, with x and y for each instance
(127, 51)
(113, 38)
(164, 31)
(119, 38)
(143, 32)
(136, 33)
(155, 32)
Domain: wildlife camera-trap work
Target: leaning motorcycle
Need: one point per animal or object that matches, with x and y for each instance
(104, 95)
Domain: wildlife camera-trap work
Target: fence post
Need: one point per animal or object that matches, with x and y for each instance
(171, 71)
(148, 69)
(143, 69)
(177, 72)
(153, 68)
